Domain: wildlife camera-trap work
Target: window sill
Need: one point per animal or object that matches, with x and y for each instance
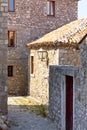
(11, 11)
(12, 47)
(51, 15)
(32, 75)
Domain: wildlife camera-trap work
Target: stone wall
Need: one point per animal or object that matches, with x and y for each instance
(57, 91)
(30, 21)
(38, 82)
(41, 24)
(17, 56)
(81, 103)
(57, 94)
(70, 57)
(3, 56)
(17, 84)
(83, 52)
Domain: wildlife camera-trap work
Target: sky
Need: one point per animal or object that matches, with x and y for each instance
(82, 8)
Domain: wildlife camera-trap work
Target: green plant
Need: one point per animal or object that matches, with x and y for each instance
(12, 123)
(40, 110)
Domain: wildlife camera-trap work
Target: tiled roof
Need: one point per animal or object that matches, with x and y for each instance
(68, 35)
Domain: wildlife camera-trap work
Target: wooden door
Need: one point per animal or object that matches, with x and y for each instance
(69, 103)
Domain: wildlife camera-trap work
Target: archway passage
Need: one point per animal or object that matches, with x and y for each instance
(69, 103)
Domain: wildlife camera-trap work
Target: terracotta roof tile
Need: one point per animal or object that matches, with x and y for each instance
(69, 34)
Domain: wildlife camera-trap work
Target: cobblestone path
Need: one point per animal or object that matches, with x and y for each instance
(23, 120)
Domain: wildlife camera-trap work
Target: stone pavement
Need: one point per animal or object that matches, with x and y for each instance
(23, 120)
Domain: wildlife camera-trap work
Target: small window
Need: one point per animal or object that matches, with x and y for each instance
(11, 5)
(32, 64)
(10, 71)
(51, 8)
(11, 38)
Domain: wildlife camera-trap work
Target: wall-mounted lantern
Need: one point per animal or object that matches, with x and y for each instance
(42, 54)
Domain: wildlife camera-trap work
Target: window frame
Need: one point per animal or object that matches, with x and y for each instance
(10, 70)
(9, 10)
(50, 7)
(32, 64)
(9, 44)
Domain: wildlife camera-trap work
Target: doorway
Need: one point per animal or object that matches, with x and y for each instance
(69, 103)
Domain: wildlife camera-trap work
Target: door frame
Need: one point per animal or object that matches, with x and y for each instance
(69, 102)
(63, 101)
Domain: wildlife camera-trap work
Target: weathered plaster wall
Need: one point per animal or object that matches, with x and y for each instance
(30, 21)
(3, 56)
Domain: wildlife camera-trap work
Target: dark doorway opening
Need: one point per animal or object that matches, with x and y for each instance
(69, 103)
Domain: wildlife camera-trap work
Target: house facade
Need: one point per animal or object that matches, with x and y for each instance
(29, 20)
(58, 52)
(67, 82)
(68, 91)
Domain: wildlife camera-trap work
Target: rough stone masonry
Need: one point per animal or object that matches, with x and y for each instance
(30, 21)
(3, 56)
(3, 63)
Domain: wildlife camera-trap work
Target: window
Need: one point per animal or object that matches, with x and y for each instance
(11, 38)
(32, 64)
(51, 7)
(10, 71)
(11, 5)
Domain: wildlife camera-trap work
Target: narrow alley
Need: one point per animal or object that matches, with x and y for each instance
(21, 118)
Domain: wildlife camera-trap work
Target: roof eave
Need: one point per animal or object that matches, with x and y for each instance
(54, 45)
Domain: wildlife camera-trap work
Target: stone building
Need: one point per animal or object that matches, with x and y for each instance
(56, 52)
(68, 86)
(27, 21)
(3, 56)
